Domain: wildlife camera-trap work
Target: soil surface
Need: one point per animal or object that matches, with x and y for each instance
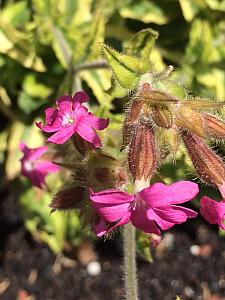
(190, 262)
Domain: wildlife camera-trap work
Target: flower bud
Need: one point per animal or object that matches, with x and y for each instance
(213, 127)
(131, 120)
(189, 119)
(81, 145)
(70, 198)
(208, 165)
(162, 116)
(142, 153)
(104, 171)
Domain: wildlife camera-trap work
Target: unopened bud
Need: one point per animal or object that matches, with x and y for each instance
(81, 145)
(213, 127)
(142, 153)
(70, 198)
(162, 116)
(131, 120)
(189, 119)
(104, 171)
(208, 165)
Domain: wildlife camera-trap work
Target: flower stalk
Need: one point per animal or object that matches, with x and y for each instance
(130, 269)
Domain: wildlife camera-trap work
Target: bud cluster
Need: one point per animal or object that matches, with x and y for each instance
(156, 111)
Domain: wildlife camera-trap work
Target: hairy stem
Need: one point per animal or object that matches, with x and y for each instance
(100, 64)
(130, 262)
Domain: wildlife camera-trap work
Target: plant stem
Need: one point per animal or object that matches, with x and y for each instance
(130, 270)
(100, 64)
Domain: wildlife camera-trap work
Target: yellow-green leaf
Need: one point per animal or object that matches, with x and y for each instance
(99, 81)
(145, 11)
(142, 43)
(126, 68)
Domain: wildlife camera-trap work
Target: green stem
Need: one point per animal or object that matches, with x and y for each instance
(130, 269)
(99, 64)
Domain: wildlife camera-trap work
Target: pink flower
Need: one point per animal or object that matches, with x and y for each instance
(149, 210)
(213, 211)
(71, 117)
(33, 167)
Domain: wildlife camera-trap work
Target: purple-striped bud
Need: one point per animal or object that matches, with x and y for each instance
(213, 127)
(142, 153)
(208, 165)
(70, 198)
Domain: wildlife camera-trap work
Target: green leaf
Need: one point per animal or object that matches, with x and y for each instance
(49, 228)
(27, 103)
(142, 43)
(143, 243)
(16, 45)
(216, 4)
(200, 48)
(189, 8)
(90, 48)
(61, 47)
(215, 80)
(145, 11)
(126, 68)
(35, 89)
(99, 81)
(117, 91)
(16, 14)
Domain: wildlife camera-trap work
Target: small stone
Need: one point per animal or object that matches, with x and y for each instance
(189, 292)
(195, 250)
(94, 268)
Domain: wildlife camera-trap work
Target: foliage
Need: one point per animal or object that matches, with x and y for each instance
(53, 47)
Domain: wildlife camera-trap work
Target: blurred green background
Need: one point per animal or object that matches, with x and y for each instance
(45, 46)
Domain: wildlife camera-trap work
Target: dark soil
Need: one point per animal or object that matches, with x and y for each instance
(31, 271)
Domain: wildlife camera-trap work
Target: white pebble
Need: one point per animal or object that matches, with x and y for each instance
(195, 250)
(94, 268)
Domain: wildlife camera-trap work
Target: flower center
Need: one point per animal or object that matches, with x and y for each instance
(71, 121)
(29, 166)
(68, 120)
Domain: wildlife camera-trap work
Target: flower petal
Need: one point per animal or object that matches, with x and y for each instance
(168, 216)
(46, 167)
(160, 194)
(80, 97)
(111, 205)
(51, 116)
(62, 135)
(111, 213)
(111, 197)
(37, 178)
(32, 153)
(87, 133)
(163, 224)
(100, 228)
(65, 103)
(97, 123)
(47, 128)
(213, 211)
(141, 221)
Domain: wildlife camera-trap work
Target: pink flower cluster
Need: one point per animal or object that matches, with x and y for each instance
(153, 209)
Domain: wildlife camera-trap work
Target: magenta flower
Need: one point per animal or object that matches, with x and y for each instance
(213, 211)
(33, 167)
(71, 117)
(149, 210)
